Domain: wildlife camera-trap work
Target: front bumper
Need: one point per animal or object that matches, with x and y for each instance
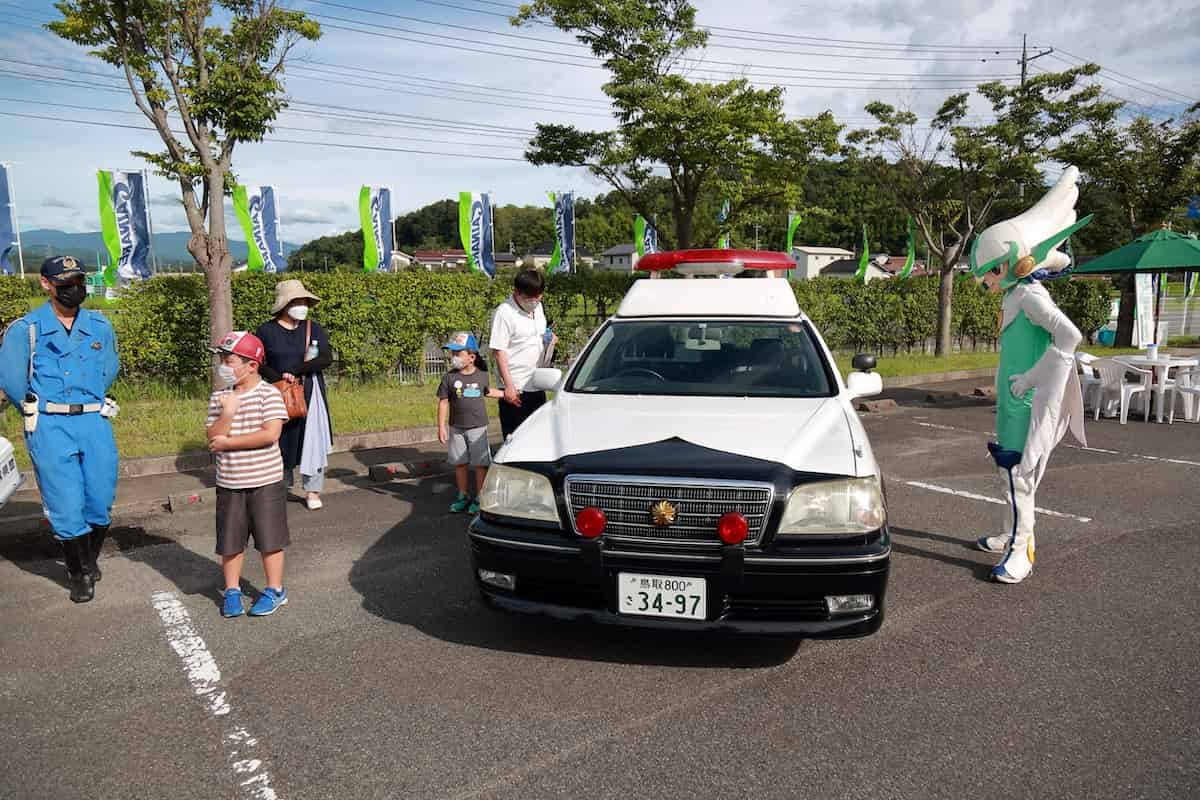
(749, 591)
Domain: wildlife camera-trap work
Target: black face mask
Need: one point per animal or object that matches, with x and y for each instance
(71, 295)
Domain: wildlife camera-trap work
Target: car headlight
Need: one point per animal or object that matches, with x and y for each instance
(511, 492)
(853, 505)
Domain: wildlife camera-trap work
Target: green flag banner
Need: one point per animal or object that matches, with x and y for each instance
(370, 247)
(864, 259)
(793, 224)
(911, 258)
(723, 242)
(108, 226)
(241, 207)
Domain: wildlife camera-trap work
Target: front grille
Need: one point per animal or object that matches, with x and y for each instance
(627, 502)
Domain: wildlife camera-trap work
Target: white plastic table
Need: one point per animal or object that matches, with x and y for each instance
(1161, 367)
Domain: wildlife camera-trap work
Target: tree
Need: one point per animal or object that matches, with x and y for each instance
(220, 85)
(1140, 174)
(951, 178)
(727, 140)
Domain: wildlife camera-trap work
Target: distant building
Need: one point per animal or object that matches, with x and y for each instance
(456, 260)
(539, 257)
(400, 261)
(848, 268)
(811, 261)
(620, 258)
(507, 261)
(440, 259)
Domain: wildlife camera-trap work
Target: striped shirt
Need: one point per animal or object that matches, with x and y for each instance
(262, 466)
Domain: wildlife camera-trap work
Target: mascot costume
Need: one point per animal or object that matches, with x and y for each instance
(1037, 389)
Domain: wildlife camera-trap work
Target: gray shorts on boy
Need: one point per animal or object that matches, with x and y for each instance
(469, 446)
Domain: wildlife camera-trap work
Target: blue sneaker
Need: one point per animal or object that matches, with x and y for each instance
(268, 602)
(232, 607)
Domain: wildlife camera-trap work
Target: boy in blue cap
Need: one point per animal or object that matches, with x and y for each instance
(462, 417)
(56, 364)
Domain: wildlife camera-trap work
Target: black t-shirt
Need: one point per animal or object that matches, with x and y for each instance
(466, 394)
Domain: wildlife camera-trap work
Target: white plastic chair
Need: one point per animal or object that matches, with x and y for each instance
(1088, 381)
(1187, 382)
(1112, 380)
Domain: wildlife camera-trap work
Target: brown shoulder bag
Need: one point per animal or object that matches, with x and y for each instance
(293, 393)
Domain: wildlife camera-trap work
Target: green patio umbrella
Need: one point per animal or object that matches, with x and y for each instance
(1154, 252)
(1158, 251)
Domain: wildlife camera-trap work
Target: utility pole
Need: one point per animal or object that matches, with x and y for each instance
(1024, 62)
(756, 227)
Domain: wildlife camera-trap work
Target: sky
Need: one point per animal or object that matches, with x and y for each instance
(413, 82)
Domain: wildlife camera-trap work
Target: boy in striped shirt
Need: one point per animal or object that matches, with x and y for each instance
(244, 423)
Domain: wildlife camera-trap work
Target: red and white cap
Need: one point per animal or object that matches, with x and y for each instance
(241, 343)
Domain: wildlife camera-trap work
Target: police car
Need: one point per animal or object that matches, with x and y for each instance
(700, 467)
(10, 477)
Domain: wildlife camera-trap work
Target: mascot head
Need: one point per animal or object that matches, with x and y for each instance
(1025, 247)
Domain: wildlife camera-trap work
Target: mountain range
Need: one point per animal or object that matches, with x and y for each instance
(169, 248)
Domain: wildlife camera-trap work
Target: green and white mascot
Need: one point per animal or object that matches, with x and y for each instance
(1038, 398)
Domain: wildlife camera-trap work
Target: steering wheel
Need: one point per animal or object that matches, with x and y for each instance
(644, 370)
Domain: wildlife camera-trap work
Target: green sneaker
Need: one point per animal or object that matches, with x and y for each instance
(460, 504)
(474, 507)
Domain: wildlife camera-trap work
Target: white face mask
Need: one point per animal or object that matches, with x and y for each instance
(298, 313)
(227, 374)
(457, 362)
(527, 305)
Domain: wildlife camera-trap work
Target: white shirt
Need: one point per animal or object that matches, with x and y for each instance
(519, 334)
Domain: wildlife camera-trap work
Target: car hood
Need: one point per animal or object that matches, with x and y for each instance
(808, 435)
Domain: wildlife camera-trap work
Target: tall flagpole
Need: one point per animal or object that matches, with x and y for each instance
(12, 202)
(149, 222)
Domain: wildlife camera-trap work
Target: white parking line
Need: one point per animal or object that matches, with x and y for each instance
(1180, 461)
(984, 498)
(204, 676)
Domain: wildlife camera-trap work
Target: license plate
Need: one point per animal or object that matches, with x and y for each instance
(661, 596)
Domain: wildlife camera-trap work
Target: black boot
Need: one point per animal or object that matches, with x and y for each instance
(77, 554)
(95, 545)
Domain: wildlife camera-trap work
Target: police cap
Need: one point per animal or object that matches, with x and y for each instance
(63, 268)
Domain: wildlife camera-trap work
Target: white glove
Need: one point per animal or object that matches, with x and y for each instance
(1019, 384)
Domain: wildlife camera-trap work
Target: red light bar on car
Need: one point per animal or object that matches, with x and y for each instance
(715, 261)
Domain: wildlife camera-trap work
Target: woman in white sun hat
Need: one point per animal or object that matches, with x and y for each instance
(297, 351)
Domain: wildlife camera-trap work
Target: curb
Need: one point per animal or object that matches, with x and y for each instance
(378, 473)
(904, 381)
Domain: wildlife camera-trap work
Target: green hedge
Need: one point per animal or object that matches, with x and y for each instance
(379, 321)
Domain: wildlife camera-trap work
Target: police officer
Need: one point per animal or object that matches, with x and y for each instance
(56, 365)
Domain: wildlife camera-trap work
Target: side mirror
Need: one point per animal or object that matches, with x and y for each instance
(863, 384)
(544, 379)
(863, 362)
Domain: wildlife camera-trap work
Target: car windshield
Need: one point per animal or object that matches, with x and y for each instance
(711, 358)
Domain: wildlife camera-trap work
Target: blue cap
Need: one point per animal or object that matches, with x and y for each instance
(463, 340)
(61, 268)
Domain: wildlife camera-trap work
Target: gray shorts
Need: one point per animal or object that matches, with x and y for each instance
(469, 446)
(260, 512)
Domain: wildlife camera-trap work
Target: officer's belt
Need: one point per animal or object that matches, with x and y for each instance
(72, 408)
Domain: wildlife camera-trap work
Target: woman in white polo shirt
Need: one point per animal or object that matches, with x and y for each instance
(518, 340)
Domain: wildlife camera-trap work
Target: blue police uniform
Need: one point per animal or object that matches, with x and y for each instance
(74, 454)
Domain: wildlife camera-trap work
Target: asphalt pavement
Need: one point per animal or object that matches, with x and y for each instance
(384, 677)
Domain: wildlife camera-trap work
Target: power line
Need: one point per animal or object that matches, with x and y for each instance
(374, 114)
(1179, 96)
(280, 141)
(759, 35)
(402, 76)
(273, 126)
(400, 90)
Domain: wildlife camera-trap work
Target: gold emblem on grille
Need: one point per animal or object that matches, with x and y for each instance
(663, 514)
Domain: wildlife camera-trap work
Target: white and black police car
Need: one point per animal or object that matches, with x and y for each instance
(700, 467)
